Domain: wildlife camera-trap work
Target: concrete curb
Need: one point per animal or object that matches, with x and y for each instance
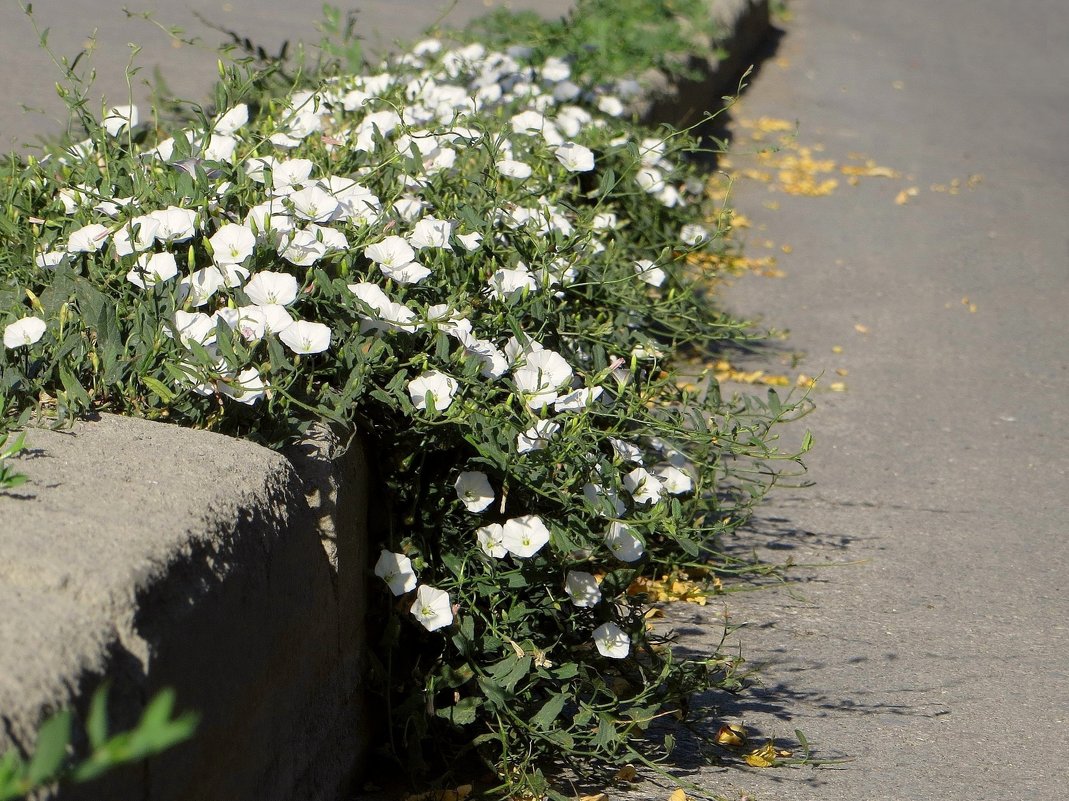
(158, 556)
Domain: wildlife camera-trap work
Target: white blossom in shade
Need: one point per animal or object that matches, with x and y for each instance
(247, 387)
(432, 608)
(271, 215)
(288, 174)
(332, 238)
(23, 333)
(112, 206)
(669, 197)
(301, 248)
(674, 480)
(431, 232)
(577, 399)
(516, 350)
(136, 235)
(513, 169)
(199, 286)
(276, 319)
(255, 167)
(175, 224)
(51, 259)
(524, 536)
(643, 486)
(626, 451)
(649, 273)
(193, 327)
(537, 436)
(693, 234)
(575, 158)
(490, 542)
(572, 120)
(314, 203)
(411, 273)
(528, 122)
(650, 179)
(474, 490)
(302, 336)
(494, 363)
(606, 501)
(470, 242)
(623, 543)
(396, 570)
(87, 239)
(566, 90)
(409, 207)
(582, 588)
(604, 220)
(355, 201)
(393, 251)
(612, 641)
(390, 316)
(270, 287)
(232, 243)
(438, 386)
(541, 374)
(509, 283)
(555, 69)
(119, 118)
(153, 269)
(232, 120)
(233, 274)
(216, 147)
(611, 105)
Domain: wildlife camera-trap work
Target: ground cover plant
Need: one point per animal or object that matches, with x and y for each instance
(477, 260)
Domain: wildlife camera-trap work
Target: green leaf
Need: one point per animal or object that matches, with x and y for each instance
(461, 713)
(158, 388)
(549, 712)
(51, 749)
(96, 725)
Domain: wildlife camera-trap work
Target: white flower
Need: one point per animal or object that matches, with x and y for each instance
(490, 542)
(24, 332)
(582, 588)
(153, 269)
(577, 399)
(440, 387)
(175, 224)
(393, 251)
(542, 373)
(248, 387)
(537, 436)
(507, 283)
(202, 284)
(268, 287)
(612, 641)
(606, 501)
(431, 233)
(608, 104)
(692, 234)
(408, 207)
(232, 243)
(50, 259)
(513, 169)
(524, 536)
(604, 220)
(232, 120)
(271, 318)
(255, 166)
(624, 545)
(646, 271)
(285, 175)
(396, 570)
(87, 239)
(470, 241)
(674, 480)
(301, 248)
(118, 118)
(314, 203)
(411, 273)
(474, 490)
(575, 158)
(650, 179)
(193, 327)
(643, 486)
(302, 336)
(528, 122)
(432, 608)
(391, 316)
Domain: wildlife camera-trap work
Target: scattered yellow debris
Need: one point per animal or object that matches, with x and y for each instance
(598, 797)
(970, 306)
(732, 735)
(837, 386)
(724, 371)
(786, 248)
(902, 198)
(458, 794)
(836, 348)
(627, 773)
(671, 588)
(763, 757)
(861, 328)
(898, 85)
(678, 795)
(771, 205)
(842, 371)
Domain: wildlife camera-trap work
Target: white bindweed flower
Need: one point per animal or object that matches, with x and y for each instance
(470, 242)
(87, 239)
(575, 158)
(623, 543)
(153, 269)
(524, 536)
(537, 436)
(175, 224)
(438, 386)
(390, 316)
(626, 451)
(490, 542)
(247, 387)
(314, 203)
(396, 570)
(507, 284)
(268, 287)
(693, 234)
(232, 120)
(674, 480)
(232, 243)
(136, 235)
(193, 327)
(302, 248)
(513, 169)
(275, 318)
(432, 608)
(648, 272)
(650, 179)
(431, 232)
(393, 251)
(302, 336)
(119, 118)
(611, 105)
(288, 174)
(577, 399)
(582, 588)
(540, 376)
(606, 501)
(643, 486)
(51, 259)
(23, 333)
(612, 641)
(474, 490)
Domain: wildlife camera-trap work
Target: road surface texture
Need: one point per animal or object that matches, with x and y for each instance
(936, 654)
(30, 75)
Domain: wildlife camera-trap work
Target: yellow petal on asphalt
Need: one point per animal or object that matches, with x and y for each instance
(732, 735)
(678, 795)
(626, 774)
(763, 757)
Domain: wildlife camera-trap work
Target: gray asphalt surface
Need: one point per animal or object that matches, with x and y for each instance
(30, 74)
(936, 655)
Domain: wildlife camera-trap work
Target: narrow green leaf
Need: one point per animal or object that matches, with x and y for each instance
(51, 749)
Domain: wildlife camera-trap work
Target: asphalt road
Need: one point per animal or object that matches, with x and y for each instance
(31, 107)
(935, 655)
